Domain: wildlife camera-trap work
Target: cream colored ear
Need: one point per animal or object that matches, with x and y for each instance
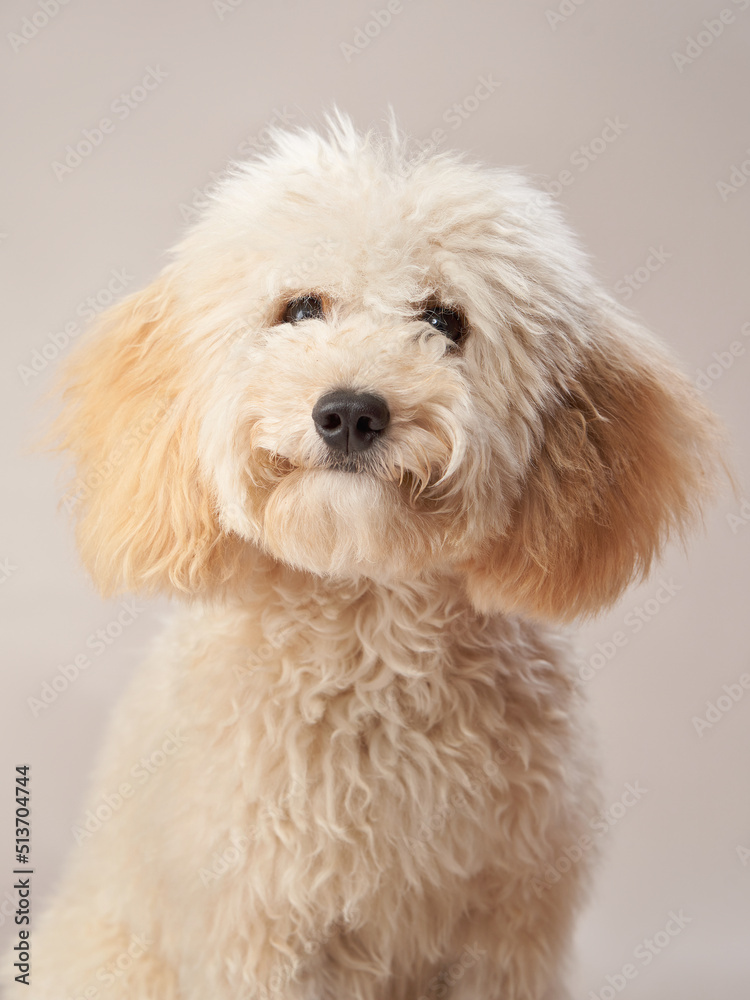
(628, 456)
(145, 516)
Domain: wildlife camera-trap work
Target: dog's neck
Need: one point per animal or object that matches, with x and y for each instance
(436, 596)
(416, 626)
(406, 649)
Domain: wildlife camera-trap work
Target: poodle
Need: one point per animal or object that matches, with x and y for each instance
(380, 429)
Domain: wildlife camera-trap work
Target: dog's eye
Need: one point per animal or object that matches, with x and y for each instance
(305, 307)
(449, 322)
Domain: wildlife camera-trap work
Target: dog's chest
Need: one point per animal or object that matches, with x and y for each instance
(372, 742)
(359, 763)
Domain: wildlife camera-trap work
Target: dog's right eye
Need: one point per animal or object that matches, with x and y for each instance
(305, 307)
(449, 322)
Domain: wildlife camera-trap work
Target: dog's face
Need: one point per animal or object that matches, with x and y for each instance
(370, 366)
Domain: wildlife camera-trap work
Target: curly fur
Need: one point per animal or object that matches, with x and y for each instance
(381, 745)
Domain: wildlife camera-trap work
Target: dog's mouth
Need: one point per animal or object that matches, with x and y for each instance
(413, 485)
(277, 466)
(410, 485)
(354, 462)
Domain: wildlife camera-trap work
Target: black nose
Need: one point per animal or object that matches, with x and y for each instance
(350, 421)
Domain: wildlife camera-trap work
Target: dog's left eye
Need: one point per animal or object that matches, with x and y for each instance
(305, 307)
(449, 322)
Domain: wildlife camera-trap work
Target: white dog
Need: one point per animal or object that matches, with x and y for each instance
(377, 424)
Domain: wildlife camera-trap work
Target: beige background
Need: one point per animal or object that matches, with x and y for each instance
(228, 73)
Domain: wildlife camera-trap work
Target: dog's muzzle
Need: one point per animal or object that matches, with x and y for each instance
(349, 422)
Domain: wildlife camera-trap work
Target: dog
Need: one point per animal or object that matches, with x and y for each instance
(380, 429)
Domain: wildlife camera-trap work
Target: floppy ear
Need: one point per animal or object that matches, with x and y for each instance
(131, 392)
(627, 455)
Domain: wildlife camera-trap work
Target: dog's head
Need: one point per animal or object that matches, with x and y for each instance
(369, 364)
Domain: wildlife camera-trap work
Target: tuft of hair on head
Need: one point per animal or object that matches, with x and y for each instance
(628, 457)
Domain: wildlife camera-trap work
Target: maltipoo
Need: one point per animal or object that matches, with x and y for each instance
(381, 430)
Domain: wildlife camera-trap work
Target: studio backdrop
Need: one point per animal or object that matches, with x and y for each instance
(118, 119)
